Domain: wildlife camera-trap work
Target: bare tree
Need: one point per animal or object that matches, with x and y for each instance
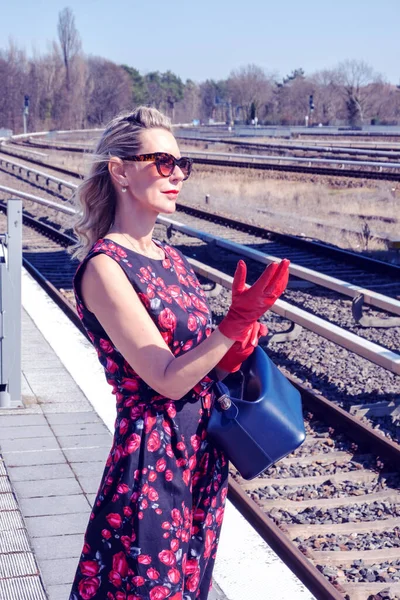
(250, 89)
(69, 39)
(353, 78)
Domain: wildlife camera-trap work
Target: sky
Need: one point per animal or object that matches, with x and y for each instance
(207, 39)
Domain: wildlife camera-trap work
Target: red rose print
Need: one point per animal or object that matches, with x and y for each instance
(166, 525)
(149, 422)
(160, 592)
(106, 346)
(164, 296)
(191, 566)
(167, 337)
(185, 536)
(153, 442)
(210, 536)
(167, 427)
(161, 465)
(126, 542)
(199, 304)
(127, 511)
(192, 462)
(169, 475)
(171, 410)
(123, 426)
(150, 291)
(152, 573)
(131, 385)
(138, 581)
(121, 252)
(199, 515)
(160, 283)
(183, 281)
(186, 476)
(174, 291)
(86, 548)
(167, 557)
(219, 515)
(195, 441)
(177, 596)
(145, 274)
(193, 281)
(166, 263)
(193, 581)
(192, 323)
(106, 534)
(152, 476)
(174, 254)
(169, 451)
(90, 568)
(144, 559)
(122, 488)
(88, 587)
(167, 319)
(115, 578)
(119, 564)
(111, 366)
(186, 299)
(174, 545)
(153, 495)
(176, 515)
(209, 520)
(174, 575)
(120, 596)
(180, 269)
(132, 443)
(114, 520)
(144, 299)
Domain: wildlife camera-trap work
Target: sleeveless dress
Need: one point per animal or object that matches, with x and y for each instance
(154, 527)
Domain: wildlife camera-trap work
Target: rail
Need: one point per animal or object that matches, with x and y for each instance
(369, 350)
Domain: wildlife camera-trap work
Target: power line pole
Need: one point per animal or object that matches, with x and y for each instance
(26, 113)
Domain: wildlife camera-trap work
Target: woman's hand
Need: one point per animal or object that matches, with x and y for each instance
(233, 359)
(250, 303)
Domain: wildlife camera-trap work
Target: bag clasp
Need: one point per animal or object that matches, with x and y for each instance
(225, 402)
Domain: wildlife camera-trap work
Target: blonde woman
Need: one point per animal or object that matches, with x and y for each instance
(154, 527)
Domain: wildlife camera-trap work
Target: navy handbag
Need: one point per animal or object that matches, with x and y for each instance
(257, 416)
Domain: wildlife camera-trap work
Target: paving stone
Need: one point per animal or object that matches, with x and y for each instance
(71, 418)
(63, 398)
(58, 592)
(43, 457)
(44, 488)
(82, 455)
(58, 570)
(8, 421)
(90, 485)
(57, 524)
(79, 429)
(73, 407)
(40, 472)
(103, 440)
(53, 505)
(88, 469)
(31, 443)
(60, 546)
(23, 431)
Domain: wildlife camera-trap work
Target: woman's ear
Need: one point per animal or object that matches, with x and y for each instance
(116, 169)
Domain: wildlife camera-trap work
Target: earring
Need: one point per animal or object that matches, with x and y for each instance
(123, 189)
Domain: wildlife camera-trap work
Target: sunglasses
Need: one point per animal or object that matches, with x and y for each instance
(166, 163)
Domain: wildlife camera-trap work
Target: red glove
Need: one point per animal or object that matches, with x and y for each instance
(241, 350)
(250, 303)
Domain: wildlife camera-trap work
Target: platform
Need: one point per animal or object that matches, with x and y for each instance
(53, 452)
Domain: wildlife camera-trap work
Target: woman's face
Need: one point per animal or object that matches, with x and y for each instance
(153, 191)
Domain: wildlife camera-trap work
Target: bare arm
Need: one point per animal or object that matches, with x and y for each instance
(109, 295)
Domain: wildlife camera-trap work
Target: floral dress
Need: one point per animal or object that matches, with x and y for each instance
(154, 527)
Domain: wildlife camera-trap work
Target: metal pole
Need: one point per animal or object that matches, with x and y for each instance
(11, 271)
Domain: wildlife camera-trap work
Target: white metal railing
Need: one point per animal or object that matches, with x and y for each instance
(369, 350)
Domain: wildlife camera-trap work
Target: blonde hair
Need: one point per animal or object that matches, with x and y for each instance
(96, 197)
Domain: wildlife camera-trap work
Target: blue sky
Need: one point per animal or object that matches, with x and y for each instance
(207, 39)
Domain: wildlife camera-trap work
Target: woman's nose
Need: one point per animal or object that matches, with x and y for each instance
(177, 174)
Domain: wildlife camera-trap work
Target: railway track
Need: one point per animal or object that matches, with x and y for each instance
(337, 167)
(339, 490)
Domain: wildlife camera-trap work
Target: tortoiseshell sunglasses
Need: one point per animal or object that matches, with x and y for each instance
(166, 163)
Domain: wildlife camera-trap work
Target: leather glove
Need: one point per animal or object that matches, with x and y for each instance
(237, 353)
(250, 303)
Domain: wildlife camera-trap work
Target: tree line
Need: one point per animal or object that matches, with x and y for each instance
(68, 90)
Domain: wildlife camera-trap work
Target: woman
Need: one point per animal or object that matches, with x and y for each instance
(154, 528)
